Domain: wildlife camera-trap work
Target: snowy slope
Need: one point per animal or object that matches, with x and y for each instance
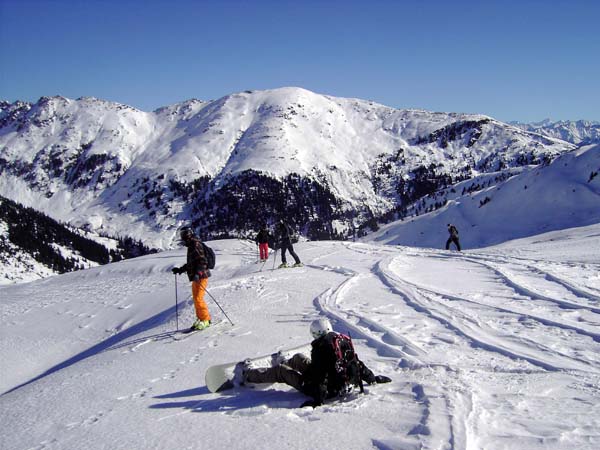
(563, 194)
(112, 168)
(495, 348)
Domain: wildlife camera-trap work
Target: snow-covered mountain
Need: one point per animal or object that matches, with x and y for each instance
(493, 208)
(328, 164)
(580, 132)
(497, 348)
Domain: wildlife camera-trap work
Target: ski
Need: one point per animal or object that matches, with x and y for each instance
(188, 332)
(294, 266)
(183, 335)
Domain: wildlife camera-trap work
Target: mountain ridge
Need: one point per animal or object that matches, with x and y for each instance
(98, 155)
(333, 167)
(580, 132)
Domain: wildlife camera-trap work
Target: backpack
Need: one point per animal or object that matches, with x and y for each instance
(287, 232)
(293, 234)
(209, 253)
(294, 238)
(342, 364)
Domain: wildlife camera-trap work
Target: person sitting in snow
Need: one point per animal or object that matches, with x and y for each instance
(262, 239)
(453, 237)
(198, 272)
(318, 376)
(285, 243)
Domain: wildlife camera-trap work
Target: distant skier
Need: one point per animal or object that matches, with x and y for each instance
(262, 239)
(198, 272)
(453, 237)
(285, 243)
(326, 374)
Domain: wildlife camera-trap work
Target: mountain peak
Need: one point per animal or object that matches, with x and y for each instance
(330, 163)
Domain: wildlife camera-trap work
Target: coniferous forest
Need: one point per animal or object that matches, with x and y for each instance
(56, 245)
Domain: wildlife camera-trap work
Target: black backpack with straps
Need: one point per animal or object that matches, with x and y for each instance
(342, 366)
(209, 253)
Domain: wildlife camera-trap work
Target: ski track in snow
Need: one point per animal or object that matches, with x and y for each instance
(457, 333)
(522, 315)
(533, 268)
(459, 397)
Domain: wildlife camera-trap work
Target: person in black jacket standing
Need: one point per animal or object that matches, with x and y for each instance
(198, 272)
(285, 243)
(453, 237)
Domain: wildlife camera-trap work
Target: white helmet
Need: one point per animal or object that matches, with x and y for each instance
(320, 327)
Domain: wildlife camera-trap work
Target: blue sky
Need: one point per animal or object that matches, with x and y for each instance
(513, 60)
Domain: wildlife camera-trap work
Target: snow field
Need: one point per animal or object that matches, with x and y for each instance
(495, 348)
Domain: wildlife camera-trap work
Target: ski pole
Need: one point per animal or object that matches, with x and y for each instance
(274, 258)
(215, 300)
(176, 305)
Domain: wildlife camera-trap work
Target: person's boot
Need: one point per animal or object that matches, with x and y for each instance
(277, 358)
(240, 372)
(201, 324)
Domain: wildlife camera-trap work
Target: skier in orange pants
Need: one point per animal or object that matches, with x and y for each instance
(198, 272)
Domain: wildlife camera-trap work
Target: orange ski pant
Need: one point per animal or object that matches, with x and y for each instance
(198, 290)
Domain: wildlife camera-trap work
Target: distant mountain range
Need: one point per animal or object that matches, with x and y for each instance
(333, 167)
(580, 132)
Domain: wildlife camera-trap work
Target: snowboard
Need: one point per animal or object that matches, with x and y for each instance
(219, 377)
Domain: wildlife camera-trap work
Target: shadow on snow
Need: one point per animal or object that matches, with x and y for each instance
(112, 343)
(233, 400)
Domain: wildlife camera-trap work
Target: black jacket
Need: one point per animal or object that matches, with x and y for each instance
(263, 236)
(453, 231)
(320, 381)
(196, 265)
(284, 233)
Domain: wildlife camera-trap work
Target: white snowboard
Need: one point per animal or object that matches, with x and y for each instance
(219, 378)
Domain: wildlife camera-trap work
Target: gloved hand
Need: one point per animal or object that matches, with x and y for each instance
(382, 379)
(176, 270)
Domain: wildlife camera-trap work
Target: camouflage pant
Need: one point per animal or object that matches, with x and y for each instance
(289, 372)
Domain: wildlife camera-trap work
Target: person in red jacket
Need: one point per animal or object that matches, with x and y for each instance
(198, 272)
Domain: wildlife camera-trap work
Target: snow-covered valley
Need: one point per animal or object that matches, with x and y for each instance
(494, 348)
